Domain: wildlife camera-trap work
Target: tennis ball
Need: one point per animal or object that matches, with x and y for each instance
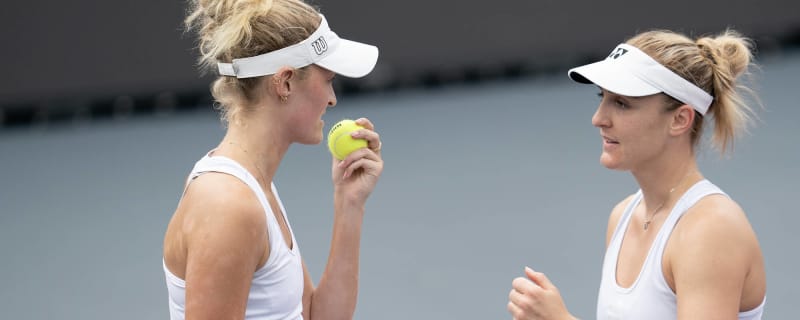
(340, 142)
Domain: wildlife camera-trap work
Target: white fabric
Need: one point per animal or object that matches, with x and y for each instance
(323, 47)
(276, 291)
(650, 297)
(630, 72)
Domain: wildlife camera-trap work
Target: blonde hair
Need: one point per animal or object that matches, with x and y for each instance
(229, 29)
(713, 64)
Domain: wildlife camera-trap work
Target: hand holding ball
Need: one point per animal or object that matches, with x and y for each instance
(340, 142)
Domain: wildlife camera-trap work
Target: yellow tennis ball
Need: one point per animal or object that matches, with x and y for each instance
(340, 142)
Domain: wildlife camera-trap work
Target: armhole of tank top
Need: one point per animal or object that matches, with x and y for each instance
(624, 219)
(194, 175)
(171, 277)
(294, 248)
(221, 162)
(757, 311)
(692, 197)
(615, 245)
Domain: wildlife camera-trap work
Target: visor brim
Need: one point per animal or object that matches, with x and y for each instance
(351, 59)
(611, 77)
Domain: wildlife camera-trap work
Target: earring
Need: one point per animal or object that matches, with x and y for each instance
(284, 98)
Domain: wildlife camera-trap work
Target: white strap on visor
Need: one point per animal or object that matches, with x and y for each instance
(316, 47)
(648, 70)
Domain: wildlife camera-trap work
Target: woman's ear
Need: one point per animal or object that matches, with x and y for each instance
(682, 120)
(281, 82)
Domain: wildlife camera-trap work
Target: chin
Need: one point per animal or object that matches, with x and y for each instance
(311, 141)
(610, 163)
(316, 139)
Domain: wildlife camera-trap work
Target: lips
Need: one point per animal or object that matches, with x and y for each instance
(609, 140)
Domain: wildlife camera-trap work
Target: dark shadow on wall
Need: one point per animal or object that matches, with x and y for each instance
(79, 60)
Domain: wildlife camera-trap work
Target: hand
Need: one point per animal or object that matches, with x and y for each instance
(536, 298)
(356, 175)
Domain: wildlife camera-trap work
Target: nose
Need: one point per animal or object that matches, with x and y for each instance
(600, 118)
(332, 100)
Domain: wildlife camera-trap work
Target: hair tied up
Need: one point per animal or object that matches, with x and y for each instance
(705, 51)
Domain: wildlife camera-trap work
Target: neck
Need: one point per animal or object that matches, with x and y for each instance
(258, 145)
(658, 180)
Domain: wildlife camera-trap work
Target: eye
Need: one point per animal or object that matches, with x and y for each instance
(619, 103)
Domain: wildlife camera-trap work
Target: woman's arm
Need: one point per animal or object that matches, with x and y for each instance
(708, 257)
(354, 178)
(226, 240)
(335, 296)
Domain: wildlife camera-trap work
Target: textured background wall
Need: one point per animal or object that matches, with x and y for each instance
(67, 54)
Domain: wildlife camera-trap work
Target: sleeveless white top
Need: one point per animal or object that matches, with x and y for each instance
(650, 297)
(276, 291)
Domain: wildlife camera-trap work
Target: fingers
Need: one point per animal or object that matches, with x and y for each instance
(365, 159)
(524, 286)
(372, 137)
(539, 278)
(364, 122)
(516, 297)
(535, 297)
(515, 311)
(521, 299)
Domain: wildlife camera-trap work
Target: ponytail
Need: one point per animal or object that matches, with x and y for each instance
(713, 64)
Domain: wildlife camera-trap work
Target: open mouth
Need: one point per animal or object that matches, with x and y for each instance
(609, 140)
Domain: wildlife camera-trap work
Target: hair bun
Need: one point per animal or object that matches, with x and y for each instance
(729, 50)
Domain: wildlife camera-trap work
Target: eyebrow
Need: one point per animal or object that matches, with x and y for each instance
(623, 97)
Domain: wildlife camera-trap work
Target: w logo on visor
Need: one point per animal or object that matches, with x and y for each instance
(320, 46)
(618, 52)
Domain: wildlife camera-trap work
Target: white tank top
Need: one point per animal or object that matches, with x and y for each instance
(276, 291)
(650, 297)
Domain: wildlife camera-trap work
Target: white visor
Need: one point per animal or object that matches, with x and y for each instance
(630, 72)
(323, 47)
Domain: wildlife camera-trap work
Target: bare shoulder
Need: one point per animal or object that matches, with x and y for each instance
(223, 228)
(218, 200)
(716, 220)
(222, 213)
(712, 237)
(713, 260)
(616, 214)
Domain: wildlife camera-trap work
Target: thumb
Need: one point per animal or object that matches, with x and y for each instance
(539, 278)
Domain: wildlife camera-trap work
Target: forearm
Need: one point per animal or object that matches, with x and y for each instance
(335, 296)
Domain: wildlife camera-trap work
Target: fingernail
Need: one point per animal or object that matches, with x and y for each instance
(528, 269)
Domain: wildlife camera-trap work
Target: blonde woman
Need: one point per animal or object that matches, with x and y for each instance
(679, 248)
(229, 250)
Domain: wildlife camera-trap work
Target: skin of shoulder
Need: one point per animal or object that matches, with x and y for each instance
(225, 236)
(616, 214)
(708, 258)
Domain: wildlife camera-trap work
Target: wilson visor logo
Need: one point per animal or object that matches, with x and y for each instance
(320, 46)
(618, 52)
